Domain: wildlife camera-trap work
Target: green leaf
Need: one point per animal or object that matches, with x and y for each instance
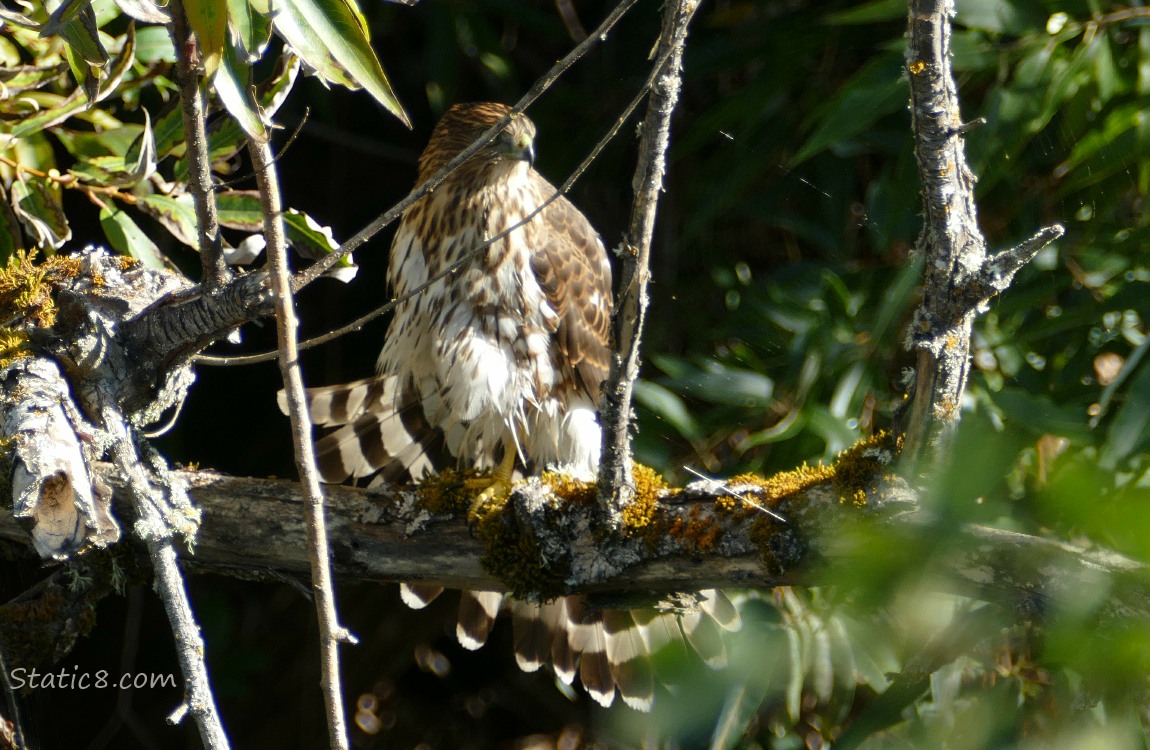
(1130, 428)
(240, 209)
(19, 78)
(74, 21)
(85, 75)
(251, 30)
(140, 158)
(874, 92)
(178, 216)
(1000, 16)
(127, 237)
(146, 11)
(154, 44)
(330, 36)
(875, 11)
(85, 144)
(209, 22)
(311, 240)
(11, 238)
(1040, 415)
(669, 407)
(233, 85)
(37, 205)
(307, 236)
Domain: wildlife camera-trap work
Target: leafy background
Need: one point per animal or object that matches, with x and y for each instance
(784, 274)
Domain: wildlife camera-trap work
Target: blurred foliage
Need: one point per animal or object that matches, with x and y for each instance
(784, 274)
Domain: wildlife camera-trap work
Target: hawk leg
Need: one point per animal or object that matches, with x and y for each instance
(496, 486)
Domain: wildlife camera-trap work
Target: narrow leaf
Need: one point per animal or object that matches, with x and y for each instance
(329, 36)
(240, 209)
(251, 30)
(75, 22)
(37, 205)
(233, 84)
(145, 11)
(140, 158)
(127, 237)
(178, 216)
(209, 22)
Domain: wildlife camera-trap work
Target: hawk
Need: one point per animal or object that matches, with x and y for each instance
(498, 366)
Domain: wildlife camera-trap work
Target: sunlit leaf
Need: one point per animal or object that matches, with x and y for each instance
(75, 22)
(209, 21)
(329, 36)
(154, 44)
(233, 84)
(140, 157)
(240, 209)
(177, 215)
(668, 407)
(250, 28)
(127, 237)
(37, 205)
(20, 78)
(146, 11)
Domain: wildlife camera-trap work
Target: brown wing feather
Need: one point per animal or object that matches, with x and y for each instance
(571, 266)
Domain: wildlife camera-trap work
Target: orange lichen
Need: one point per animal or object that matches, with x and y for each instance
(698, 533)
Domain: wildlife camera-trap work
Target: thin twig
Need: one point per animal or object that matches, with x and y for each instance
(215, 268)
(157, 532)
(616, 486)
(331, 633)
(310, 274)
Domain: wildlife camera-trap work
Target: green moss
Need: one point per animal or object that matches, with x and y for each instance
(446, 492)
(27, 288)
(512, 555)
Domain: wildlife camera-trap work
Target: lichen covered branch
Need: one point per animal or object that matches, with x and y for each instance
(957, 277)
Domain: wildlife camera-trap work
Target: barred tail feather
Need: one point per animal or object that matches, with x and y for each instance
(477, 613)
(418, 595)
(629, 660)
(344, 403)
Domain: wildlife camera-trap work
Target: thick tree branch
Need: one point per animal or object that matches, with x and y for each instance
(958, 279)
(254, 526)
(331, 633)
(615, 476)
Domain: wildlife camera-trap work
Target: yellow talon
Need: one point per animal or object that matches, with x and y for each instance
(495, 487)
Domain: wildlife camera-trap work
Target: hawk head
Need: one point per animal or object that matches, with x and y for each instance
(463, 123)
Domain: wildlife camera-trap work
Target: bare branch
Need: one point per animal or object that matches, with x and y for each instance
(958, 279)
(615, 480)
(331, 633)
(163, 510)
(215, 269)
